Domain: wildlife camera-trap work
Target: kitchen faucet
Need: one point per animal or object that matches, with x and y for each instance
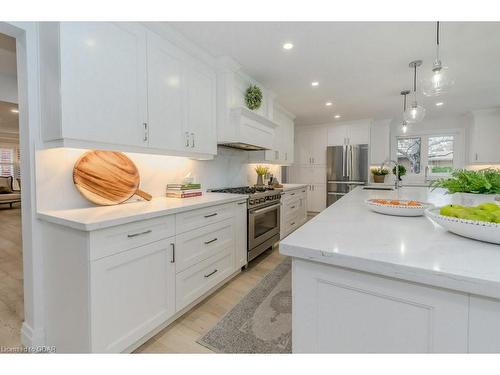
(396, 165)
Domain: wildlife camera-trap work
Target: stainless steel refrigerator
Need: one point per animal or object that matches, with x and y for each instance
(347, 167)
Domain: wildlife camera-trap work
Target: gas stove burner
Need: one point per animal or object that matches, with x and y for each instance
(243, 190)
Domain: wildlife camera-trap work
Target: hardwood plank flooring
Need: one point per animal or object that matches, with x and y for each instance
(11, 276)
(181, 336)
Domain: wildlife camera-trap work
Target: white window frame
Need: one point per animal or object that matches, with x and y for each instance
(424, 178)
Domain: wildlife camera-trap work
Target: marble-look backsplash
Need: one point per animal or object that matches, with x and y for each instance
(54, 168)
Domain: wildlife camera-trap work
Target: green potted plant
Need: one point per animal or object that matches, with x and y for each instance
(402, 171)
(261, 172)
(471, 187)
(379, 174)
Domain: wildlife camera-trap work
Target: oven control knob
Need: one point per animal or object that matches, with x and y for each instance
(262, 200)
(251, 201)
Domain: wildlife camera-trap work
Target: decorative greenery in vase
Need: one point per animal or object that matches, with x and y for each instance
(261, 172)
(402, 171)
(379, 174)
(253, 97)
(485, 181)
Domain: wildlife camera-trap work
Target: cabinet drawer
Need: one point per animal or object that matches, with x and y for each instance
(113, 240)
(292, 223)
(200, 244)
(291, 208)
(190, 220)
(198, 279)
(291, 195)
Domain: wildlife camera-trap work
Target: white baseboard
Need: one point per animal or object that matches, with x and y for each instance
(31, 337)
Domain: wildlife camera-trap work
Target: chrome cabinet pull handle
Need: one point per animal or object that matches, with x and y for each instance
(207, 242)
(145, 138)
(173, 252)
(242, 203)
(187, 139)
(292, 224)
(139, 234)
(211, 215)
(292, 193)
(192, 139)
(292, 207)
(211, 273)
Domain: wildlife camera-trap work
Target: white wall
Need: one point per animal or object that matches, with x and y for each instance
(54, 167)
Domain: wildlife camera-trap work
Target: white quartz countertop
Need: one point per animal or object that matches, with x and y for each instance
(287, 187)
(348, 234)
(92, 218)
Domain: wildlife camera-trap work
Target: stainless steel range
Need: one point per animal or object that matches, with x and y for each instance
(263, 219)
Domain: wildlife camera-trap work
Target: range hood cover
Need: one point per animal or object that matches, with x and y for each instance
(243, 146)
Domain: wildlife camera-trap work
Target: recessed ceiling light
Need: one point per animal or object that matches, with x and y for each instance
(337, 116)
(439, 104)
(328, 104)
(287, 45)
(14, 110)
(315, 83)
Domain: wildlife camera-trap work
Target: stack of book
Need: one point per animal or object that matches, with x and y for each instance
(183, 190)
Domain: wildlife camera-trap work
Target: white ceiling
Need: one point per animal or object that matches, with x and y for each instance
(361, 66)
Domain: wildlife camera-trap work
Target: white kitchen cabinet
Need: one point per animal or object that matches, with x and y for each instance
(380, 143)
(181, 100)
(293, 210)
(103, 82)
(133, 292)
(485, 137)
(484, 325)
(311, 146)
(316, 197)
(124, 87)
(123, 282)
(166, 95)
(200, 106)
(349, 133)
(240, 228)
(336, 310)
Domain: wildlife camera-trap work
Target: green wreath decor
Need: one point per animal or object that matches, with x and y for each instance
(253, 97)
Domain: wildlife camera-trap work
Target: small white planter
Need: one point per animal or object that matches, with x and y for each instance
(469, 199)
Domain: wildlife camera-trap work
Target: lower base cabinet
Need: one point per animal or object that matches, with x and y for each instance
(144, 276)
(336, 310)
(108, 289)
(293, 210)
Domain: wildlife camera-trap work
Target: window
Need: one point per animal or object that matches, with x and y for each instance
(440, 154)
(9, 162)
(409, 150)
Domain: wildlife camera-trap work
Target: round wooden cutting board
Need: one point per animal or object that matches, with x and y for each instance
(107, 178)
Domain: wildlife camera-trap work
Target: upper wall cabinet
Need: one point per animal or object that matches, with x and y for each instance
(349, 133)
(181, 100)
(103, 82)
(310, 146)
(485, 137)
(126, 88)
(380, 142)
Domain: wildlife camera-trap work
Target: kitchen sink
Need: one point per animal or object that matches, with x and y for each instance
(377, 188)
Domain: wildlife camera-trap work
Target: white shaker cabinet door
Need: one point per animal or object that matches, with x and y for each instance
(200, 105)
(132, 293)
(359, 134)
(337, 135)
(336, 310)
(165, 95)
(103, 82)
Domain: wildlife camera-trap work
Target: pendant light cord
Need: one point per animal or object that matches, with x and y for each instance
(437, 41)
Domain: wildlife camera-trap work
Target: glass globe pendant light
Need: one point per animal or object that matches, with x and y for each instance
(404, 126)
(440, 82)
(415, 113)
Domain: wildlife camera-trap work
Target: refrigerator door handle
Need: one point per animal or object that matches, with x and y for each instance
(344, 156)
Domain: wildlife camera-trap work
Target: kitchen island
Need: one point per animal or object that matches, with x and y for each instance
(366, 282)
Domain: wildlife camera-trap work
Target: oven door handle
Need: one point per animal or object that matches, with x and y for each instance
(265, 209)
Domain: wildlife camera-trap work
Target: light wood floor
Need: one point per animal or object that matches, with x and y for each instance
(181, 336)
(11, 277)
